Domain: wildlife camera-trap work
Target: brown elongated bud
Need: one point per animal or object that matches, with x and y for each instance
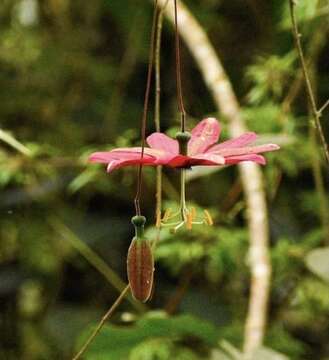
(140, 263)
(140, 268)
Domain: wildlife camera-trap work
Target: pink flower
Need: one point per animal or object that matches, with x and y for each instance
(201, 150)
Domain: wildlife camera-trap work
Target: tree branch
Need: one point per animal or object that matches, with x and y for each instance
(224, 97)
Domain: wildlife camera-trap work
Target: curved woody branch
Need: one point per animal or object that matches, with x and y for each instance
(225, 99)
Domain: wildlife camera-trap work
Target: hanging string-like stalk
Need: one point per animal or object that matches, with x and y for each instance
(183, 136)
(157, 122)
(178, 73)
(145, 110)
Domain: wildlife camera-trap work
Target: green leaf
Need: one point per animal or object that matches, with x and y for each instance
(161, 349)
(117, 342)
(317, 262)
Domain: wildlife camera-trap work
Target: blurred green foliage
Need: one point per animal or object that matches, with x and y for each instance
(155, 336)
(72, 77)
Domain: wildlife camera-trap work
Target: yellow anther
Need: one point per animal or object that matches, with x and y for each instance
(193, 213)
(208, 219)
(166, 215)
(189, 220)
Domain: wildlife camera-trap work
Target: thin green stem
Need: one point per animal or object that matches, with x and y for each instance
(315, 113)
(102, 323)
(158, 195)
(157, 65)
(183, 194)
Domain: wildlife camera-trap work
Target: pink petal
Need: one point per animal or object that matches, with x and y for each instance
(179, 161)
(208, 159)
(253, 157)
(117, 154)
(120, 157)
(202, 159)
(129, 154)
(162, 142)
(236, 151)
(116, 164)
(204, 135)
(240, 141)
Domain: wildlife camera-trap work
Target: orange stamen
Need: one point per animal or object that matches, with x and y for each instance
(189, 220)
(193, 213)
(208, 219)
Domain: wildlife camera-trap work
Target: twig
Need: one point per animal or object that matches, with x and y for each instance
(317, 171)
(101, 323)
(315, 112)
(225, 100)
(316, 43)
(324, 106)
(319, 186)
